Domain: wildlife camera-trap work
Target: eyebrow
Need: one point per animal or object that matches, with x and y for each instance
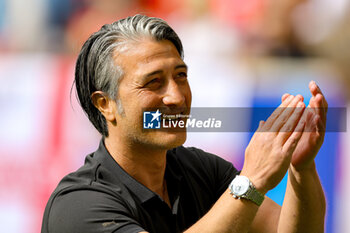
(181, 66)
(161, 71)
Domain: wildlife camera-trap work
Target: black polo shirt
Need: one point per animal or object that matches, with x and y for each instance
(102, 197)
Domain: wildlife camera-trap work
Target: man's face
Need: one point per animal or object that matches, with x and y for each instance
(155, 76)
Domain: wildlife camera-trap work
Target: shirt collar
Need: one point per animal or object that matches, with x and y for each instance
(120, 175)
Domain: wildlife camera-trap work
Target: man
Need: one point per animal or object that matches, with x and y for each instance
(145, 181)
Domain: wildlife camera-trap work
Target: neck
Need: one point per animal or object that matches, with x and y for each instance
(146, 165)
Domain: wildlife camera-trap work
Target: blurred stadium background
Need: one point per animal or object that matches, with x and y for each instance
(240, 54)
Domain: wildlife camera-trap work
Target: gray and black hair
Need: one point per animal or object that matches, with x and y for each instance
(96, 69)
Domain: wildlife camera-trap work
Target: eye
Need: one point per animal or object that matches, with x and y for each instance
(181, 76)
(154, 83)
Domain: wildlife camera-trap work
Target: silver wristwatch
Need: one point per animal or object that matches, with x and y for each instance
(241, 187)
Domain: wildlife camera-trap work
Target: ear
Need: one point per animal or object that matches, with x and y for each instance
(105, 105)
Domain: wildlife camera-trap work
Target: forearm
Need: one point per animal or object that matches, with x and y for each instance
(304, 205)
(227, 215)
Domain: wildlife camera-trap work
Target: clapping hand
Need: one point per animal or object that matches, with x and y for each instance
(314, 131)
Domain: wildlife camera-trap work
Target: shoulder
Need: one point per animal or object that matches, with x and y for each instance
(86, 201)
(88, 209)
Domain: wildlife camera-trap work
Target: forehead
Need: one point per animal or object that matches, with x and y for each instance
(148, 54)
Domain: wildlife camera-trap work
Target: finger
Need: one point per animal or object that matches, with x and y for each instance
(320, 126)
(308, 116)
(322, 106)
(306, 110)
(291, 125)
(292, 142)
(320, 129)
(294, 118)
(316, 90)
(258, 131)
(316, 124)
(272, 118)
(261, 125)
(318, 102)
(315, 104)
(284, 97)
(284, 116)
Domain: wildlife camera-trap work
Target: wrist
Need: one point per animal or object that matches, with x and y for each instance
(259, 184)
(303, 170)
(299, 177)
(242, 187)
(260, 187)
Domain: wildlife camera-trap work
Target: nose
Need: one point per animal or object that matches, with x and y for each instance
(173, 95)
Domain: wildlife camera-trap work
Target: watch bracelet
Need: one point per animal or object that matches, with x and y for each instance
(254, 195)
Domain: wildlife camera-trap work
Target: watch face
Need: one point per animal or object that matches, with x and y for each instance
(240, 185)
